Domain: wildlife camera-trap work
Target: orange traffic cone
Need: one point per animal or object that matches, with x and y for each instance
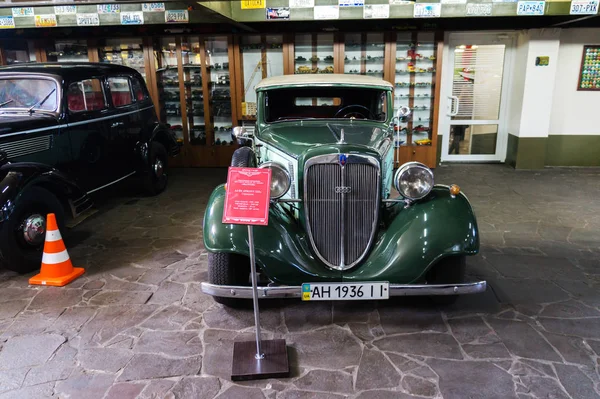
(56, 269)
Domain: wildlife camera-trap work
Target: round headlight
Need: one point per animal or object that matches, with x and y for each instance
(280, 179)
(413, 180)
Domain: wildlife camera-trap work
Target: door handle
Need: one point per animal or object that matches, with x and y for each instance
(454, 105)
(117, 124)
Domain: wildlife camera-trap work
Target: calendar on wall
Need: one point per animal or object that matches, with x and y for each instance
(589, 75)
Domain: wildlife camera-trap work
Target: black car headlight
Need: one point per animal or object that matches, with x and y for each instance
(280, 179)
(413, 180)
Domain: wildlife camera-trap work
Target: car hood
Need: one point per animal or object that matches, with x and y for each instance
(295, 138)
(21, 122)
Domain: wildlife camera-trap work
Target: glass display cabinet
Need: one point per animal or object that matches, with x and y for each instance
(128, 52)
(67, 51)
(17, 51)
(193, 90)
(167, 82)
(261, 56)
(414, 81)
(314, 53)
(364, 54)
(216, 60)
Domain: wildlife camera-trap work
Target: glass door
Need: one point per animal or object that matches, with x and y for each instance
(314, 53)
(473, 108)
(128, 52)
(364, 54)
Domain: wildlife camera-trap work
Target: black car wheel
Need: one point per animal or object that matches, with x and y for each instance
(22, 235)
(157, 176)
(449, 270)
(243, 157)
(229, 269)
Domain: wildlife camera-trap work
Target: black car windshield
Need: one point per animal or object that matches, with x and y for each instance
(25, 93)
(325, 103)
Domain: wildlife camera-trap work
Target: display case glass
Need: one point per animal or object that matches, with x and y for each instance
(167, 82)
(67, 51)
(261, 57)
(313, 53)
(216, 61)
(128, 52)
(364, 54)
(18, 51)
(193, 89)
(414, 87)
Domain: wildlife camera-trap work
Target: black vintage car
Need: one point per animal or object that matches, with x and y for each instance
(66, 131)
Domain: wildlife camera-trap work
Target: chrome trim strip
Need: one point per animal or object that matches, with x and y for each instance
(334, 159)
(107, 117)
(66, 125)
(111, 183)
(288, 291)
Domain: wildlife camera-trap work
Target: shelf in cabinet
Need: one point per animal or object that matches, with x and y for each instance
(367, 61)
(401, 72)
(402, 59)
(316, 61)
(416, 97)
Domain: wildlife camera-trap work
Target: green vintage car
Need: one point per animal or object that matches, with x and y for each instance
(337, 229)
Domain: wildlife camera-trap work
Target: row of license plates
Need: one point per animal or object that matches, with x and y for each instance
(345, 291)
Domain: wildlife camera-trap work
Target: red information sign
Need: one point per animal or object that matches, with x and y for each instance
(248, 195)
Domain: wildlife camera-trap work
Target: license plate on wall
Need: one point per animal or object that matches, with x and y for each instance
(345, 291)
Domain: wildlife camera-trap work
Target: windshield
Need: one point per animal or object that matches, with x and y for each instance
(325, 103)
(25, 93)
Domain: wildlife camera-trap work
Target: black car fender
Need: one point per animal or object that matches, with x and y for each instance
(15, 178)
(162, 134)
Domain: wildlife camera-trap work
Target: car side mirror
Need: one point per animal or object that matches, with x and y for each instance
(403, 113)
(240, 134)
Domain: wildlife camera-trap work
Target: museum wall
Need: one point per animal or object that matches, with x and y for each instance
(574, 135)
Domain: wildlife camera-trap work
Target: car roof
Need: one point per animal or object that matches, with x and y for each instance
(324, 79)
(72, 70)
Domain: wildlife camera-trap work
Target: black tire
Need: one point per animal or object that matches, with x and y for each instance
(449, 270)
(243, 158)
(156, 178)
(16, 253)
(229, 269)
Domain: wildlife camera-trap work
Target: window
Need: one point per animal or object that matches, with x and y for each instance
(86, 95)
(325, 102)
(120, 91)
(138, 92)
(26, 93)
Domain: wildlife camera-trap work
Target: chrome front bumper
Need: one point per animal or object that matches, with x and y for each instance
(288, 291)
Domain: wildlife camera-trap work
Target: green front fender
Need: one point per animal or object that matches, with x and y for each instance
(416, 237)
(408, 243)
(281, 248)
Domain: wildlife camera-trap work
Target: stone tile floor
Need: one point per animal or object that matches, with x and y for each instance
(137, 326)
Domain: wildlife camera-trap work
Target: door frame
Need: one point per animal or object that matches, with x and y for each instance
(507, 37)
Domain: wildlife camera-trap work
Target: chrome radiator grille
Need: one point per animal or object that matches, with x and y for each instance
(341, 199)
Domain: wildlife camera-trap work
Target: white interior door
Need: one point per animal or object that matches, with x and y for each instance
(474, 97)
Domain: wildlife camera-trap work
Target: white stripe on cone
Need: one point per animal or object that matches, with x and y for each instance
(53, 235)
(53, 259)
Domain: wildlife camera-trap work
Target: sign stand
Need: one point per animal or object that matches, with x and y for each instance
(246, 203)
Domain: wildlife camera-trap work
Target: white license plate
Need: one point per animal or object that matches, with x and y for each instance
(344, 291)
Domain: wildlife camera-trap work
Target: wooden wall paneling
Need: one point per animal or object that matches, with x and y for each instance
(389, 68)
(339, 52)
(235, 115)
(439, 38)
(2, 55)
(40, 51)
(288, 54)
(236, 76)
(263, 56)
(182, 99)
(92, 48)
(150, 67)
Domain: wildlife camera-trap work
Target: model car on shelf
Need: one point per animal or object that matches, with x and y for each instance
(66, 131)
(342, 223)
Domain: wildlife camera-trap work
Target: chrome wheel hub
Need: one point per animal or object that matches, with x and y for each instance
(34, 229)
(158, 168)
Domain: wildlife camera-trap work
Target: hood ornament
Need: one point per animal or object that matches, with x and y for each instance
(342, 159)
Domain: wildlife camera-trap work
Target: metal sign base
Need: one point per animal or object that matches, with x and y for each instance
(274, 364)
(253, 360)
